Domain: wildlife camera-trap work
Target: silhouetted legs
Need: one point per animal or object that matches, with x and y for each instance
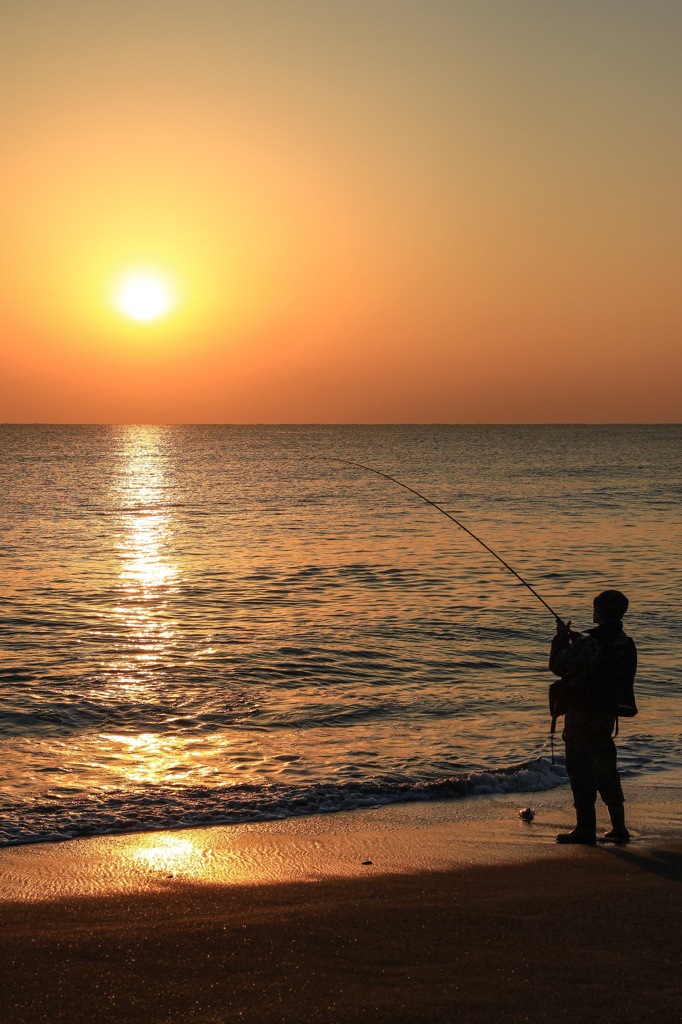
(592, 768)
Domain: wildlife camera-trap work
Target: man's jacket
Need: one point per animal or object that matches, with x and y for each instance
(597, 668)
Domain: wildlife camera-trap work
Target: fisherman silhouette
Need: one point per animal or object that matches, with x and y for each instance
(596, 671)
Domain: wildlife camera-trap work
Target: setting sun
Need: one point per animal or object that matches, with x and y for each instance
(143, 296)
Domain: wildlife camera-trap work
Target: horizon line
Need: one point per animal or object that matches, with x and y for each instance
(340, 423)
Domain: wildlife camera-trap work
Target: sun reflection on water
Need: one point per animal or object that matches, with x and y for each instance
(145, 565)
(142, 487)
(147, 575)
(147, 571)
(150, 758)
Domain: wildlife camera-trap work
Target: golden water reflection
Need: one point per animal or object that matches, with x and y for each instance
(144, 559)
(142, 494)
(150, 758)
(144, 545)
(147, 573)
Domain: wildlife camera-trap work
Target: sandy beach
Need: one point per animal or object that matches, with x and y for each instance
(463, 913)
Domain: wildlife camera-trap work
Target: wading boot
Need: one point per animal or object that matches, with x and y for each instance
(618, 833)
(585, 831)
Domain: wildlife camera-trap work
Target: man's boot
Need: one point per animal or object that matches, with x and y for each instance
(585, 831)
(618, 833)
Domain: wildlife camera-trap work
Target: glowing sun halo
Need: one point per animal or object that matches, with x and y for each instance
(143, 296)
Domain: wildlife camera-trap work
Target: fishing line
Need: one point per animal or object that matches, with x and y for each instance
(387, 476)
(528, 813)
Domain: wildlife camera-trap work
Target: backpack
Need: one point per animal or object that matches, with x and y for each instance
(621, 675)
(612, 682)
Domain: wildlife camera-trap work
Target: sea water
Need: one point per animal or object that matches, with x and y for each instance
(206, 624)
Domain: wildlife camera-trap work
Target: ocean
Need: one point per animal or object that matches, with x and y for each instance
(216, 624)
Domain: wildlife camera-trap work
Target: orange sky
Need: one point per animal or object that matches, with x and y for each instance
(376, 211)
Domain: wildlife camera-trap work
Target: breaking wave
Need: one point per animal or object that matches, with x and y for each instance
(160, 808)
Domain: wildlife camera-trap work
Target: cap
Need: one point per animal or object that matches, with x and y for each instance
(611, 604)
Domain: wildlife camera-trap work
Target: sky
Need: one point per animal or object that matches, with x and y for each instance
(357, 211)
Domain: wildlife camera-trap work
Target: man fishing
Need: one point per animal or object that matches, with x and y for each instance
(596, 670)
(596, 673)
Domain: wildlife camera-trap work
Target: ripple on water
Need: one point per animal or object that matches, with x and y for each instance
(202, 609)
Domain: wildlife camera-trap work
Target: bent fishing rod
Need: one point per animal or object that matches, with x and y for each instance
(387, 476)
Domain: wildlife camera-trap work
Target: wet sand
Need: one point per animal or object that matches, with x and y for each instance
(464, 914)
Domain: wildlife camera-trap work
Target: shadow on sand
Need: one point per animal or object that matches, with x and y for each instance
(658, 862)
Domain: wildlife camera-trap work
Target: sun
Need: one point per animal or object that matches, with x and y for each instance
(143, 295)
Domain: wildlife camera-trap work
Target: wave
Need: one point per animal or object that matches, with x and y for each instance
(118, 813)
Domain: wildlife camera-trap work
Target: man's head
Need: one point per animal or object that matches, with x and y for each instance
(610, 606)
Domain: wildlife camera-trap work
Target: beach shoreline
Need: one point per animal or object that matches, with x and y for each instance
(464, 913)
(403, 838)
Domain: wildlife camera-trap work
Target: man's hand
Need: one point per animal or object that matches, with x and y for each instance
(563, 628)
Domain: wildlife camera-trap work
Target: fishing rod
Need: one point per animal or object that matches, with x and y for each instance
(387, 476)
